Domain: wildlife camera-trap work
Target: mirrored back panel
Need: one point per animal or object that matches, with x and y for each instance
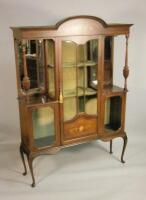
(33, 53)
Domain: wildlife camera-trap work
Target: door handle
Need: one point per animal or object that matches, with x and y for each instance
(60, 97)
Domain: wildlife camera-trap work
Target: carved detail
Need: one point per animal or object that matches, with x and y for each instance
(23, 160)
(111, 145)
(26, 80)
(26, 83)
(126, 68)
(30, 162)
(31, 156)
(124, 147)
(126, 72)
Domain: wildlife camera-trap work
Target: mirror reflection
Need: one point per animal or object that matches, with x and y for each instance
(34, 58)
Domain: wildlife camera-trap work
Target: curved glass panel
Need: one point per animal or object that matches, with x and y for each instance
(79, 64)
(43, 126)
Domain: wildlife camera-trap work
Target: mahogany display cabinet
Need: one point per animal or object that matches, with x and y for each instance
(65, 85)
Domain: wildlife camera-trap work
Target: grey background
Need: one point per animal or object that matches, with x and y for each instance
(69, 170)
(46, 12)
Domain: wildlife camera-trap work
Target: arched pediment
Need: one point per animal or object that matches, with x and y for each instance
(83, 17)
(81, 25)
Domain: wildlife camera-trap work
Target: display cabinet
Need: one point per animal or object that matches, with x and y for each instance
(66, 92)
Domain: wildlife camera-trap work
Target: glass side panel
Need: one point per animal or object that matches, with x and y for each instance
(112, 116)
(43, 126)
(119, 60)
(50, 54)
(79, 63)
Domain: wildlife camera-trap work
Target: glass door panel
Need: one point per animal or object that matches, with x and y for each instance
(43, 126)
(80, 64)
(87, 77)
(69, 79)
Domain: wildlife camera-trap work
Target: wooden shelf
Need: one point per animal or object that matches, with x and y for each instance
(51, 65)
(31, 56)
(44, 141)
(38, 100)
(88, 63)
(113, 89)
(73, 93)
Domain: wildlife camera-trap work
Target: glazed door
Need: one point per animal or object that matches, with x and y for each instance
(79, 75)
(44, 125)
(44, 109)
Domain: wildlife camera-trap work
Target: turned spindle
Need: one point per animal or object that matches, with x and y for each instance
(126, 68)
(26, 80)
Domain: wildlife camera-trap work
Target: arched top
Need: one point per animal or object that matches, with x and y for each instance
(88, 17)
(82, 25)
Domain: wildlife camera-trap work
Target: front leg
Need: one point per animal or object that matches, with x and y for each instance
(111, 144)
(30, 163)
(23, 160)
(124, 147)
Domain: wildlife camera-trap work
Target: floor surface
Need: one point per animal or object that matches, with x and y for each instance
(83, 172)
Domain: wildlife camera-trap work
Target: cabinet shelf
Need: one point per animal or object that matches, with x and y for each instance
(39, 100)
(113, 89)
(51, 65)
(88, 63)
(44, 141)
(81, 92)
(31, 56)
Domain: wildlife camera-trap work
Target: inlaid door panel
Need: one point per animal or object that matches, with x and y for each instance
(79, 70)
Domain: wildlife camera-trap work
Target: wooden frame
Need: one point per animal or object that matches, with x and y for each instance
(86, 127)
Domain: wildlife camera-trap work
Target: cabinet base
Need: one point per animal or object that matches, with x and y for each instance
(31, 155)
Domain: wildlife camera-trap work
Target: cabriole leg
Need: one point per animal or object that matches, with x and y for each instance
(23, 160)
(111, 143)
(30, 160)
(124, 147)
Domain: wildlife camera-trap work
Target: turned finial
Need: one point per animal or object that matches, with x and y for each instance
(126, 68)
(26, 80)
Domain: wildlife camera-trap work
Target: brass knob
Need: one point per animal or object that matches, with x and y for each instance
(81, 128)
